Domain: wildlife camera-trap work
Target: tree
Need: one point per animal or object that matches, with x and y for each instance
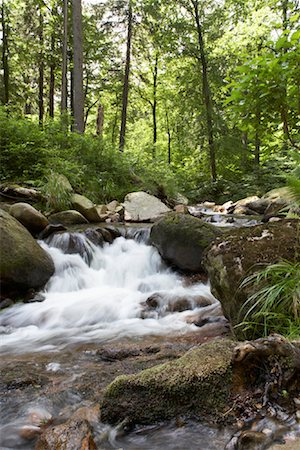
(78, 67)
(4, 22)
(126, 80)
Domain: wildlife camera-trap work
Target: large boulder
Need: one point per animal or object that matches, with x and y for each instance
(241, 252)
(182, 239)
(197, 384)
(142, 207)
(23, 264)
(28, 216)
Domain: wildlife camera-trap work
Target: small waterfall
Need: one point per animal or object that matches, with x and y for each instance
(102, 293)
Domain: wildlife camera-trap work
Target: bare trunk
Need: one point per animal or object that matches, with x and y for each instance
(100, 120)
(41, 68)
(78, 67)
(52, 79)
(206, 94)
(169, 136)
(154, 105)
(257, 139)
(5, 55)
(126, 81)
(64, 82)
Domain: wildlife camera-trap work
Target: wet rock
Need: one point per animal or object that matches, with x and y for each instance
(72, 243)
(95, 236)
(70, 217)
(243, 251)
(142, 207)
(72, 435)
(197, 384)
(50, 229)
(28, 216)
(23, 264)
(181, 240)
(5, 303)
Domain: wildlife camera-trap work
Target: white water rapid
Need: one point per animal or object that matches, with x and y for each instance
(101, 297)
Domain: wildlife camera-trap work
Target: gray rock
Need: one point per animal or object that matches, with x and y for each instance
(142, 207)
(28, 216)
(70, 217)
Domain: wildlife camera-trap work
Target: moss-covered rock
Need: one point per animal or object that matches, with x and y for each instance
(196, 385)
(181, 240)
(243, 251)
(23, 263)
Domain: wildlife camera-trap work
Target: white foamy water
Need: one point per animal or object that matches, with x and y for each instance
(99, 298)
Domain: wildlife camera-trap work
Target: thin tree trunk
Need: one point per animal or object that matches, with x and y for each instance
(71, 96)
(126, 81)
(52, 79)
(64, 82)
(257, 139)
(41, 67)
(78, 67)
(206, 94)
(169, 136)
(5, 54)
(154, 105)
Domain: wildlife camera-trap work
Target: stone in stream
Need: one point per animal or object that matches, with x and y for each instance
(196, 384)
(23, 264)
(182, 239)
(241, 252)
(72, 435)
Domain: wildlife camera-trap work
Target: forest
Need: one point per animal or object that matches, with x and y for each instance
(200, 97)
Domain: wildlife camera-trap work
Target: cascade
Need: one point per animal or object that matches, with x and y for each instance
(102, 293)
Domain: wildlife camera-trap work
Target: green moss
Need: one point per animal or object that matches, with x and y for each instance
(197, 384)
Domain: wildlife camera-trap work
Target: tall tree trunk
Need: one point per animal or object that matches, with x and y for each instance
(154, 105)
(5, 54)
(71, 96)
(41, 66)
(206, 93)
(78, 67)
(64, 81)
(52, 79)
(126, 80)
(257, 138)
(169, 136)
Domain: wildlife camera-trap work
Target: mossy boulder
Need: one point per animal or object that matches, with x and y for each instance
(182, 239)
(23, 263)
(241, 252)
(196, 385)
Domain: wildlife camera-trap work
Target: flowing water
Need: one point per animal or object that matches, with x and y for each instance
(101, 302)
(100, 295)
(97, 295)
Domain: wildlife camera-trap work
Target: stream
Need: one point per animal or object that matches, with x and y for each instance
(106, 311)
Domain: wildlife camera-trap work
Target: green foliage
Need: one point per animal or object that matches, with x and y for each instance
(275, 305)
(57, 193)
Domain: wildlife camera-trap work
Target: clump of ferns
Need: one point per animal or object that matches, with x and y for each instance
(274, 307)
